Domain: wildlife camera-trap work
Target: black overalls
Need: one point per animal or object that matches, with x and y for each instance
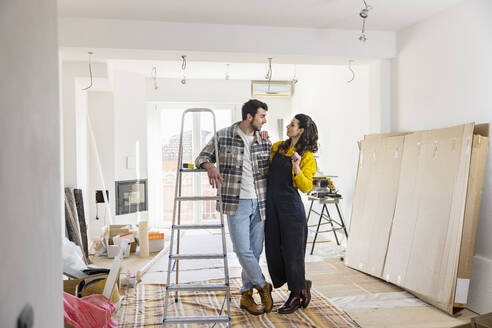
(285, 227)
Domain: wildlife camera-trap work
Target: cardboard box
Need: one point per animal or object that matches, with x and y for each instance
(156, 241)
(156, 245)
(428, 222)
(71, 285)
(113, 250)
(118, 229)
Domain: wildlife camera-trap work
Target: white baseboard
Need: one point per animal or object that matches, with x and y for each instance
(480, 294)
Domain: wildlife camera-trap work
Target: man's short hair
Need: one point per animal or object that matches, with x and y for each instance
(251, 107)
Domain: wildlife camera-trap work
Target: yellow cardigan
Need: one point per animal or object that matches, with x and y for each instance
(304, 180)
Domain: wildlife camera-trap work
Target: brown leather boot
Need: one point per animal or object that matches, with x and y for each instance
(266, 296)
(249, 304)
(292, 303)
(306, 294)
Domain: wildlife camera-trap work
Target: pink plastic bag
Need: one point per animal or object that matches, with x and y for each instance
(93, 311)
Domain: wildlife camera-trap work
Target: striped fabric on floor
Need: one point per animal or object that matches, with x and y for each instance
(143, 307)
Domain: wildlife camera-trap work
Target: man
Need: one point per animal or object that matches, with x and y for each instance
(242, 176)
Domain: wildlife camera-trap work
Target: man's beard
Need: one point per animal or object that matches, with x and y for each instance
(255, 128)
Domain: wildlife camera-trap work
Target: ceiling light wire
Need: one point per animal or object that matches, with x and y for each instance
(294, 78)
(269, 73)
(183, 68)
(227, 76)
(364, 13)
(351, 70)
(154, 77)
(90, 71)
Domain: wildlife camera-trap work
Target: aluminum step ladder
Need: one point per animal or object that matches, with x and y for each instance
(177, 256)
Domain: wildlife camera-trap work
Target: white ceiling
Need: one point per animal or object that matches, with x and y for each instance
(342, 14)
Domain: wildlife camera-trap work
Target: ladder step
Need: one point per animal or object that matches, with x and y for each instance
(196, 226)
(196, 256)
(214, 318)
(193, 170)
(198, 198)
(191, 287)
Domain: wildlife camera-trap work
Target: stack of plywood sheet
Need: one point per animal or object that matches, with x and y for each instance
(415, 210)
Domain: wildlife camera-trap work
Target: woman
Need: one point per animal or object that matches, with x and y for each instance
(292, 167)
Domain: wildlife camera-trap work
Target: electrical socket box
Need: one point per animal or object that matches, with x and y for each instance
(26, 317)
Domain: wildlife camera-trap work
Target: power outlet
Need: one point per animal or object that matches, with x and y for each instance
(26, 317)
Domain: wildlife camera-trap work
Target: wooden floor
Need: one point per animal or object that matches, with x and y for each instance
(334, 280)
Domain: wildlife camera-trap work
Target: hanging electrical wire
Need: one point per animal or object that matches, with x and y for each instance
(154, 77)
(183, 68)
(363, 36)
(294, 78)
(364, 13)
(351, 71)
(227, 72)
(268, 75)
(90, 71)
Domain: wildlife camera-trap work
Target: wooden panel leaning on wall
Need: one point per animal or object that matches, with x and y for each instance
(423, 207)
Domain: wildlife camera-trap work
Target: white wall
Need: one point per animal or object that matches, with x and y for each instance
(101, 115)
(30, 163)
(154, 160)
(380, 96)
(130, 121)
(215, 91)
(341, 112)
(278, 109)
(198, 90)
(74, 107)
(79, 171)
(441, 77)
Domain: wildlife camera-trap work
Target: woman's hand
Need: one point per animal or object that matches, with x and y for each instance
(264, 135)
(296, 160)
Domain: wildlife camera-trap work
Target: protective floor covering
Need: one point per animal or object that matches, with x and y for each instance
(143, 307)
(377, 301)
(205, 242)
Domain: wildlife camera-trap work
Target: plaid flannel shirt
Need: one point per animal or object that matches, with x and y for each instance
(231, 152)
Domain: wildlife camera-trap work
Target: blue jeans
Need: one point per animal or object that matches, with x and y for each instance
(247, 231)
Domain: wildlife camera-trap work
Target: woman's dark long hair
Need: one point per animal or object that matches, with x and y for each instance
(308, 139)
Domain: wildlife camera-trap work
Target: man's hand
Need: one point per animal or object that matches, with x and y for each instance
(214, 177)
(264, 135)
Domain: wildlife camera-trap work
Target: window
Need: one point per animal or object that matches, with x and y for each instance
(223, 119)
(198, 130)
